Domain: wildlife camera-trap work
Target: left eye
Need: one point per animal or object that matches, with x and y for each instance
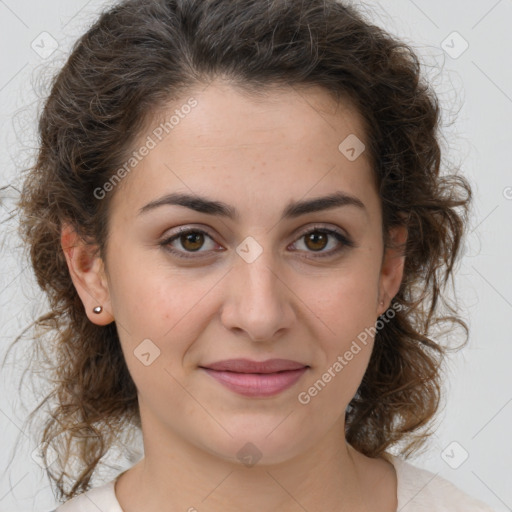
(315, 241)
(318, 239)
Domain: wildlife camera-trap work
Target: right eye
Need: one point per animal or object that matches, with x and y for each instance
(191, 241)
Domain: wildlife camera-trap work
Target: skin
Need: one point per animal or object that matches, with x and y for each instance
(257, 155)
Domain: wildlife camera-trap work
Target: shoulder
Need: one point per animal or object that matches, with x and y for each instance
(421, 490)
(98, 498)
(418, 490)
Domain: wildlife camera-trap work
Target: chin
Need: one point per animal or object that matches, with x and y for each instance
(255, 442)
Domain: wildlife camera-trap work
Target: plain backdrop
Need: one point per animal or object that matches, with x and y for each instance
(466, 48)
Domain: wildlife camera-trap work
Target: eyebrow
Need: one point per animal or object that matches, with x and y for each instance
(293, 210)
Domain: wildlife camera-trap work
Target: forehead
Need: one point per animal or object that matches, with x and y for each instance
(220, 138)
(228, 115)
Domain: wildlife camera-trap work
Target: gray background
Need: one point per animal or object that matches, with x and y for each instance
(475, 88)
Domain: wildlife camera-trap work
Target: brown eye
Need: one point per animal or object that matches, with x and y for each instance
(316, 241)
(323, 241)
(189, 241)
(192, 241)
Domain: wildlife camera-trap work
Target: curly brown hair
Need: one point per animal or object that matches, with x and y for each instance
(137, 57)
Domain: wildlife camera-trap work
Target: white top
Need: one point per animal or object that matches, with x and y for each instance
(418, 490)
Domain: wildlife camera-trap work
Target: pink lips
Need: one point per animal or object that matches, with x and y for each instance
(256, 378)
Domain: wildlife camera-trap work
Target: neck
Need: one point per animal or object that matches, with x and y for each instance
(174, 475)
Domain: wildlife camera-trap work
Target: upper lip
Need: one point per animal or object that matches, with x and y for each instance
(250, 366)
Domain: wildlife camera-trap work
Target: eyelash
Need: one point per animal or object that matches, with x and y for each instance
(345, 242)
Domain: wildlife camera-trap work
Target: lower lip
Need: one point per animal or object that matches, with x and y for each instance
(257, 384)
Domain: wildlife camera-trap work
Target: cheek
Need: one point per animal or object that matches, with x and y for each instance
(161, 312)
(346, 319)
(345, 301)
(151, 300)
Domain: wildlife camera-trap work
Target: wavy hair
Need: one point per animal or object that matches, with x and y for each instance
(141, 54)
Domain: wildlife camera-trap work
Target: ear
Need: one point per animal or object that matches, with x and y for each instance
(392, 267)
(88, 275)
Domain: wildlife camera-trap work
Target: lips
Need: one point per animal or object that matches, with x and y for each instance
(256, 378)
(249, 366)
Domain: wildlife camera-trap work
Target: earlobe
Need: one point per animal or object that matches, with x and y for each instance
(87, 272)
(392, 268)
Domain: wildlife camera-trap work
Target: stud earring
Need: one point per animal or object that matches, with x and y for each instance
(98, 310)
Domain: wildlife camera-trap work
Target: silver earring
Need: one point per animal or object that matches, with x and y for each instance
(98, 310)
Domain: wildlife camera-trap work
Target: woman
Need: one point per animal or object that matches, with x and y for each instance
(239, 218)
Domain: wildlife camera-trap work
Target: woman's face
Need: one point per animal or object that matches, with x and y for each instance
(270, 269)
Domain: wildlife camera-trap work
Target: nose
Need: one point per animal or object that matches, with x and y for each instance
(259, 302)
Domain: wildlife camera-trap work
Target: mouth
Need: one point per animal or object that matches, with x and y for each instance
(256, 378)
